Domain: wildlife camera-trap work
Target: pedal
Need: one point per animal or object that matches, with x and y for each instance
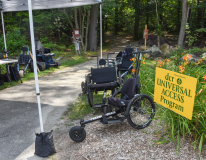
(104, 119)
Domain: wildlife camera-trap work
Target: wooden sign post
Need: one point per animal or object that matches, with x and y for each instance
(145, 36)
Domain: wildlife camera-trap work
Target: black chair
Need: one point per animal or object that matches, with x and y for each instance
(101, 79)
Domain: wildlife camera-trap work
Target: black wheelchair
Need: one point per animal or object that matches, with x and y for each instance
(44, 57)
(126, 103)
(102, 78)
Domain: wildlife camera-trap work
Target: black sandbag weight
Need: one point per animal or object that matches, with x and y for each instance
(44, 145)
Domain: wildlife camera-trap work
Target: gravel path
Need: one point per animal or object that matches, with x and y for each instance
(118, 141)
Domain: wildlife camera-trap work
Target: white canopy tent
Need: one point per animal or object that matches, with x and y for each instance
(22, 5)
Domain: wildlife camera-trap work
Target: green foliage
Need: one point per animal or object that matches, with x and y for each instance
(194, 50)
(176, 55)
(173, 125)
(44, 40)
(72, 47)
(65, 39)
(14, 41)
(81, 107)
(192, 36)
(78, 109)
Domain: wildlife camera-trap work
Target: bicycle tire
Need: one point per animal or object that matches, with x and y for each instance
(140, 108)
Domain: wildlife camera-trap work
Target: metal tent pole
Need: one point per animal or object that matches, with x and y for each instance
(34, 63)
(2, 18)
(101, 29)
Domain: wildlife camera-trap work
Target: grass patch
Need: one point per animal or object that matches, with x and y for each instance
(80, 108)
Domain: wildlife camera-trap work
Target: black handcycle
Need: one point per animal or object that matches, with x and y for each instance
(127, 103)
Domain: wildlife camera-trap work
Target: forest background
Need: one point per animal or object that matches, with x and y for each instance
(184, 19)
(120, 17)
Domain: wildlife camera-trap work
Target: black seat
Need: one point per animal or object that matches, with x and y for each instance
(129, 50)
(103, 79)
(40, 48)
(126, 63)
(126, 94)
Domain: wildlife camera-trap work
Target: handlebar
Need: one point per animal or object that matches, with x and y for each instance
(143, 52)
(97, 60)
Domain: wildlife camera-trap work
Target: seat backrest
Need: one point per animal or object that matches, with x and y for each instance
(24, 48)
(129, 88)
(126, 62)
(103, 75)
(129, 50)
(38, 45)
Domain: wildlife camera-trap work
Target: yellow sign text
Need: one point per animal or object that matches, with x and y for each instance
(175, 91)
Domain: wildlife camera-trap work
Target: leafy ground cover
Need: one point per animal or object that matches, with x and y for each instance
(173, 125)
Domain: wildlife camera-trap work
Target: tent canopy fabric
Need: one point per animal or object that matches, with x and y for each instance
(22, 5)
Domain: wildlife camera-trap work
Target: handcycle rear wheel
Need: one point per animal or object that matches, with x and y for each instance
(90, 98)
(84, 87)
(140, 111)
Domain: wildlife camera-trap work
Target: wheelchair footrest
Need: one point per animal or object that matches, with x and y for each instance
(114, 120)
(100, 105)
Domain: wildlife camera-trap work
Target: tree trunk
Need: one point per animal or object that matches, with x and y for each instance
(87, 28)
(158, 36)
(178, 15)
(183, 24)
(136, 25)
(92, 39)
(116, 19)
(202, 22)
(82, 29)
(75, 19)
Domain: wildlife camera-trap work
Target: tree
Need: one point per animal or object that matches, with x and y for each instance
(183, 24)
(137, 19)
(92, 38)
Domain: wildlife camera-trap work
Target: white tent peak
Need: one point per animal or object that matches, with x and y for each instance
(22, 5)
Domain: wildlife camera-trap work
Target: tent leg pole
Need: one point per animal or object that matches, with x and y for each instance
(2, 18)
(101, 29)
(34, 60)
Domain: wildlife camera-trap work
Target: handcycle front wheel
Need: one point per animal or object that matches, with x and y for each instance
(140, 111)
(77, 134)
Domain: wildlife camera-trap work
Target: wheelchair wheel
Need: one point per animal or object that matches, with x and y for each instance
(140, 111)
(84, 88)
(31, 66)
(77, 134)
(90, 98)
(21, 73)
